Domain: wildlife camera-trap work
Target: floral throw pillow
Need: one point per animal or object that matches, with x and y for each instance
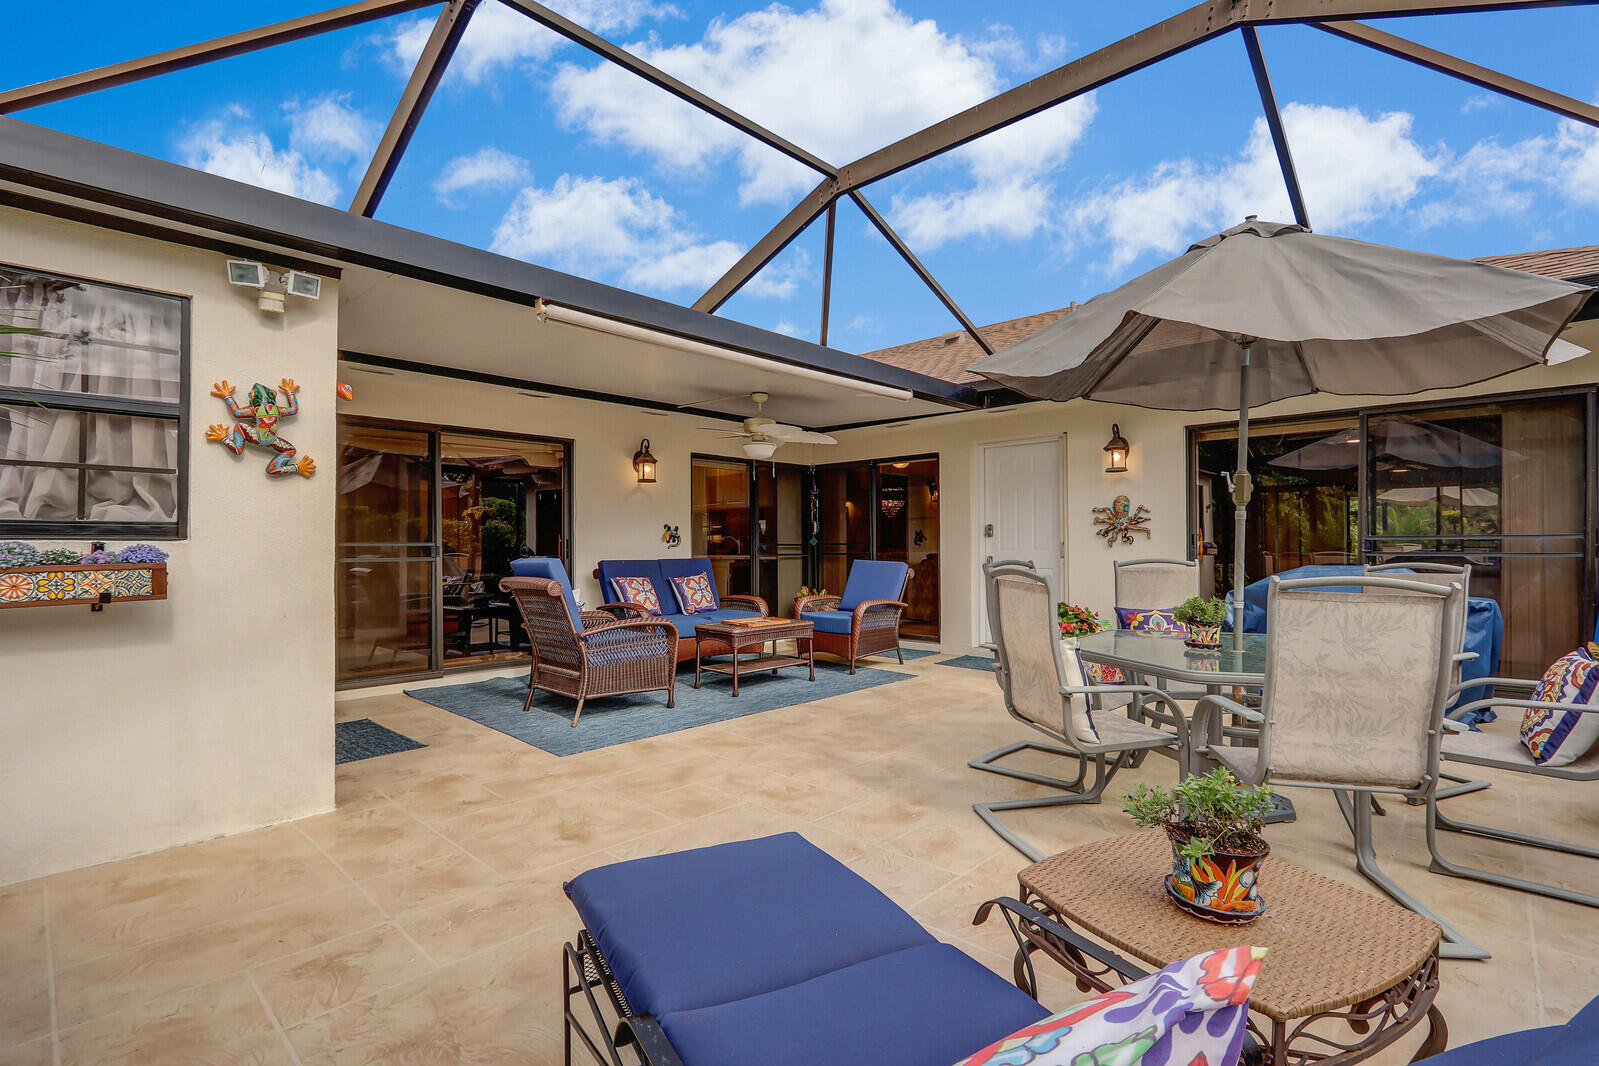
(639, 590)
(695, 593)
(1192, 1013)
(1147, 620)
(1559, 738)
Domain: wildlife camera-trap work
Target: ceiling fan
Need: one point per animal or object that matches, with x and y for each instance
(762, 436)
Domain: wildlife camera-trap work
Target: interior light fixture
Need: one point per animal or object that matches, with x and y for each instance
(644, 463)
(759, 449)
(1116, 451)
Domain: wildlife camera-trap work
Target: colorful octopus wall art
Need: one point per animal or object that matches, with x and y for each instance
(1119, 521)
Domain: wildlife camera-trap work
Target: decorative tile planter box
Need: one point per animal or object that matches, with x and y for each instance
(101, 583)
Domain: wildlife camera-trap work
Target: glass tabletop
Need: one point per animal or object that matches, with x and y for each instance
(1168, 657)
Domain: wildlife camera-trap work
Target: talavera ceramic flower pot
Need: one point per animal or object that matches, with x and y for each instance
(1203, 636)
(1219, 887)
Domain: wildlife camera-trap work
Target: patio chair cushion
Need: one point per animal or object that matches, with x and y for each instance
(925, 1006)
(551, 570)
(697, 928)
(1077, 677)
(650, 569)
(1552, 1045)
(830, 621)
(695, 594)
(1194, 1011)
(1150, 620)
(872, 579)
(671, 569)
(639, 590)
(685, 623)
(1559, 738)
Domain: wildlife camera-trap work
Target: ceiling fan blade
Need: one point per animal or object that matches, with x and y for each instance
(796, 435)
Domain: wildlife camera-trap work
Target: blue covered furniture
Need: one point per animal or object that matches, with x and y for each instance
(770, 951)
(659, 573)
(583, 655)
(865, 619)
(1552, 1045)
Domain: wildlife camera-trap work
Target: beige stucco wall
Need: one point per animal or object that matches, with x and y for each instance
(154, 724)
(613, 516)
(1156, 476)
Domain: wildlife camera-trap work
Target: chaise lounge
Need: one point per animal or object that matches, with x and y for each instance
(657, 575)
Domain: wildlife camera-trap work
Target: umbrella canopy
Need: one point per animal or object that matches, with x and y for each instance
(1416, 442)
(1328, 315)
(1268, 310)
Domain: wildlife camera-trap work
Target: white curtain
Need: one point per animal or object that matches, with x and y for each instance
(100, 341)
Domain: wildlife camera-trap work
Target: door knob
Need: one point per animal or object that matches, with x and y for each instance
(988, 530)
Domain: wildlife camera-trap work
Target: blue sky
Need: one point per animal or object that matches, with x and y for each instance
(535, 148)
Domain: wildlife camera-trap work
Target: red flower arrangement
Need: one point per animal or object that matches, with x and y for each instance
(1078, 621)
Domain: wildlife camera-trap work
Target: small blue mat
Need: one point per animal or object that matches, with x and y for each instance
(497, 703)
(366, 739)
(971, 662)
(909, 653)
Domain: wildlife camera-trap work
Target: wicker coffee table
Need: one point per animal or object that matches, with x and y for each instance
(716, 638)
(1346, 973)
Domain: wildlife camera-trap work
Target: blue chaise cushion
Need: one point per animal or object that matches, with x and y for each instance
(553, 570)
(872, 579)
(697, 928)
(830, 621)
(1554, 1045)
(929, 1005)
(671, 568)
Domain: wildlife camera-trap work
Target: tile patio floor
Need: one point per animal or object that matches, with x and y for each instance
(421, 922)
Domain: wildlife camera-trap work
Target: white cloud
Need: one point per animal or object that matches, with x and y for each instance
(485, 169)
(786, 328)
(840, 79)
(1492, 179)
(500, 38)
(330, 128)
(617, 228)
(233, 148)
(1352, 168)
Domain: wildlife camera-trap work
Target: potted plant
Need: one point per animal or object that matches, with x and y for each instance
(1203, 620)
(1214, 825)
(1077, 622)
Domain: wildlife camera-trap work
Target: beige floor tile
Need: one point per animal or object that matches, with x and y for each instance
(39, 1052)
(340, 971)
(24, 986)
(221, 1023)
(429, 884)
(445, 796)
(375, 840)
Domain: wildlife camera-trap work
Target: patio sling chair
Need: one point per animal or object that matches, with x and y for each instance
(865, 619)
(1499, 752)
(1045, 694)
(586, 655)
(1354, 702)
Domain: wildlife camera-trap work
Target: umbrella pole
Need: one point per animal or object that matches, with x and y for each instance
(1241, 494)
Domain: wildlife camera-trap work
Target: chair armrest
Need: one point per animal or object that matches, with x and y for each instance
(815, 603)
(623, 610)
(598, 618)
(1014, 908)
(1226, 706)
(754, 603)
(1533, 705)
(645, 1033)
(1515, 683)
(866, 607)
(637, 624)
(1464, 657)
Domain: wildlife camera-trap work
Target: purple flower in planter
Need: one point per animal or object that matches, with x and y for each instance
(15, 553)
(99, 558)
(142, 553)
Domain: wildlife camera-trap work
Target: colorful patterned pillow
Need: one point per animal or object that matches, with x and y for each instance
(1148, 620)
(639, 590)
(1559, 738)
(1192, 1013)
(695, 593)
(1101, 674)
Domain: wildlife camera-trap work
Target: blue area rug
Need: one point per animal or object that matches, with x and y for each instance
(910, 653)
(497, 703)
(366, 739)
(971, 662)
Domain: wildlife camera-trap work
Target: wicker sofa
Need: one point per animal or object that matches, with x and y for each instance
(660, 572)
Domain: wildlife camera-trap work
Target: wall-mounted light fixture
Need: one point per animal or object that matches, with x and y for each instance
(644, 463)
(248, 274)
(1116, 451)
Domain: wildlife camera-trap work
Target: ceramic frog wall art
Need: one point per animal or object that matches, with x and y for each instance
(256, 423)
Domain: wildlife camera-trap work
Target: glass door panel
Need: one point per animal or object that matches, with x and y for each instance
(846, 519)
(782, 505)
(907, 531)
(721, 522)
(384, 559)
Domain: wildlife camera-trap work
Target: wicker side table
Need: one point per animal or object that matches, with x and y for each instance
(1346, 973)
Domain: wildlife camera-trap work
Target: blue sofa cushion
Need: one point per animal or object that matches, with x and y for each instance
(553, 570)
(650, 568)
(925, 1006)
(697, 928)
(872, 579)
(671, 568)
(830, 621)
(685, 623)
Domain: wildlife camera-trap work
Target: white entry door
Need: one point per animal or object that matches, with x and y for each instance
(1020, 516)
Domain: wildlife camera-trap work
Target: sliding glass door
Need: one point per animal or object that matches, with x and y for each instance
(428, 521)
(883, 509)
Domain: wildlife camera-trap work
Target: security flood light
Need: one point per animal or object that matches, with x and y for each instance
(298, 283)
(246, 273)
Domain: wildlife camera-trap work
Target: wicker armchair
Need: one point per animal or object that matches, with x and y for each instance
(865, 619)
(591, 654)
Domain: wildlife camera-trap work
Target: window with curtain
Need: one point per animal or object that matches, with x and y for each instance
(91, 408)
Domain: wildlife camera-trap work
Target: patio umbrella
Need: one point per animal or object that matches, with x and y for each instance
(1416, 442)
(1268, 310)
